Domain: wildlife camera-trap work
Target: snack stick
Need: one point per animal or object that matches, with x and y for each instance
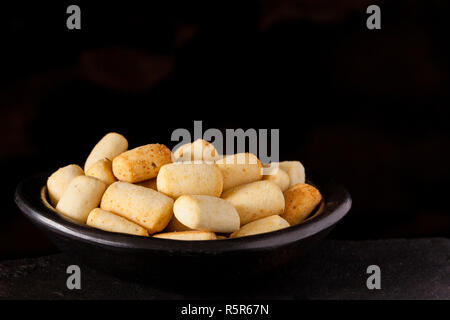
(108, 147)
(187, 235)
(141, 163)
(240, 168)
(81, 196)
(280, 178)
(111, 222)
(177, 179)
(144, 206)
(267, 224)
(206, 213)
(102, 170)
(301, 200)
(197, 150)
(295, 170)
(255, 200)
(59, 180)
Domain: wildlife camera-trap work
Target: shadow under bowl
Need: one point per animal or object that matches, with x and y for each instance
(152, 259)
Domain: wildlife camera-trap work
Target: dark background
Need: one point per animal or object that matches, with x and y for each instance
(369, 108)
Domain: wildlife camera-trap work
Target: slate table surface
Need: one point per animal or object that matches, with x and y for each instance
(410, 269)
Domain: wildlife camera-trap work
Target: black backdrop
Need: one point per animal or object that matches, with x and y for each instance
(369, 108)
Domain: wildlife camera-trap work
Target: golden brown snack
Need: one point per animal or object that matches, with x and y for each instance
(280, 178)
(295, 170)
(59, 180)
(150, 183)
(111, 222)
(255, 200)
(316, 212)
(301, 200)
(144, 206)
(267, 224)
(102, 170)
(187, 235)
(179, 178)
(108, 147)
(141, 163)
(175, 225)
(197, 150)
(240, 168)
(81, 196)
(206, 213)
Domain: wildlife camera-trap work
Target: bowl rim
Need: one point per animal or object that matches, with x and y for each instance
(337, 202)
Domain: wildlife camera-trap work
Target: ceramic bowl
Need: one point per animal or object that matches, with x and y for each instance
(151, 259)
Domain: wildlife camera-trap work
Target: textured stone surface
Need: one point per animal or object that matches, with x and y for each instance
(410, 269)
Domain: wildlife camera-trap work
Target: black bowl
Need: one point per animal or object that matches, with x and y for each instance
(150, 259)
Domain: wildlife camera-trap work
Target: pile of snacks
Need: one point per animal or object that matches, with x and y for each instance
(199, 196)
